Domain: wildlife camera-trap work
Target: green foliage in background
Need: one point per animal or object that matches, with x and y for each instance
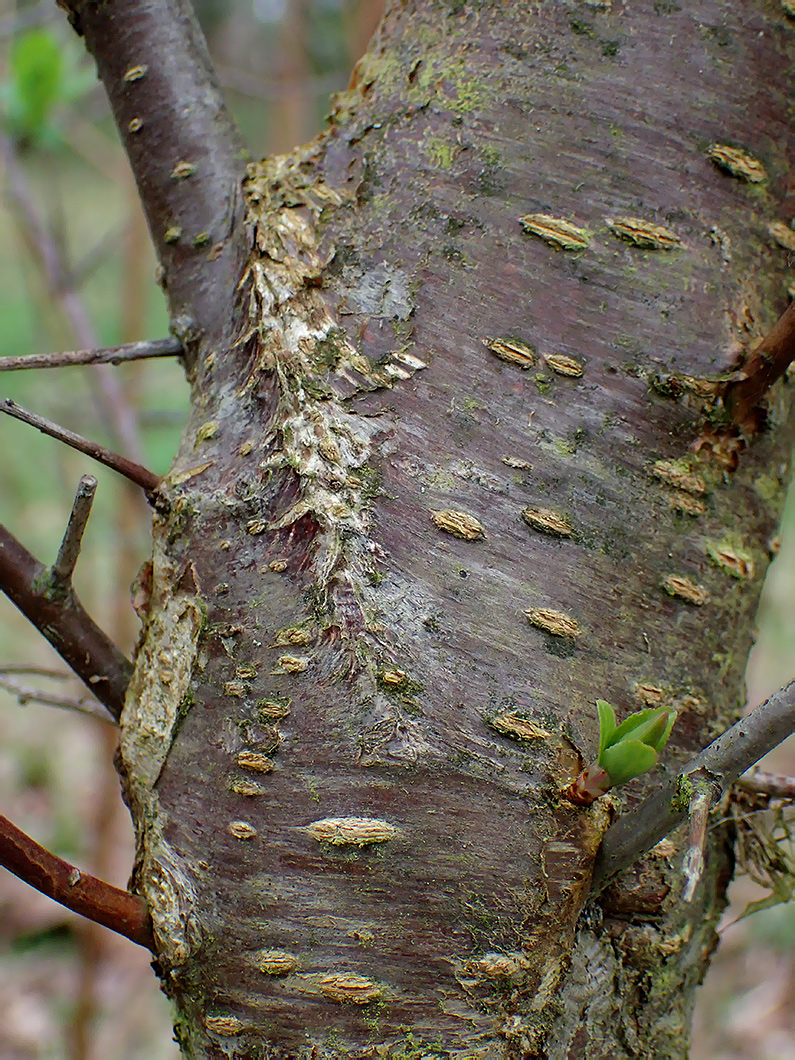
(42, 77)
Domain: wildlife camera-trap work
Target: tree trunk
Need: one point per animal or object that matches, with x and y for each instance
(448, 478)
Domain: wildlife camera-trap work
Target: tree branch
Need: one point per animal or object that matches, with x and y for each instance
(768, 362)
(141, 476)
(184, 149)
(122, 912)
(28, 694)
(776, 785)
(718, 766)
(61, 619)
(130, 351)
(64, 566)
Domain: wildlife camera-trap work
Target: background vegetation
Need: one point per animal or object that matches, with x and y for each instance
(67, 989)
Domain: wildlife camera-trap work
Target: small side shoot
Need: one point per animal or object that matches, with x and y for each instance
(625, 751)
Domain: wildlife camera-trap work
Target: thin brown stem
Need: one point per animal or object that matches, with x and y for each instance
(61, 619)
(28, 694)
(38, 671)
(144, 478)
(130, 351)
(768, 362)
(120, 420)
(773, 784)
(722, 762)
(122, 912)
(64, 566)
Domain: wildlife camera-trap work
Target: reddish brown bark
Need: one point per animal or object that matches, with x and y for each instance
(122, 912)
(60, 617)
(769, 361)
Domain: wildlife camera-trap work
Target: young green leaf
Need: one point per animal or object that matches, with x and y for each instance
(626, 760)
(607, 723)
(649, 726)
(625, 751)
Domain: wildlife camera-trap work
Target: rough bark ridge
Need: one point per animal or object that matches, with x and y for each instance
(345, 738)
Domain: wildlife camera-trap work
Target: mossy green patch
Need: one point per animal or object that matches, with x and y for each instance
(329, 349)
(440, 153)
(768, 488)
(680, 802)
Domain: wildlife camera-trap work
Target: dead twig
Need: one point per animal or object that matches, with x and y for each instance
(64, 566)
(144, 478)
(773, 784)
(129, 351)
(28, 694)
(701, 802)
(122, 912)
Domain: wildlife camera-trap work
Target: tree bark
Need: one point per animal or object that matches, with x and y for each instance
(418, 421)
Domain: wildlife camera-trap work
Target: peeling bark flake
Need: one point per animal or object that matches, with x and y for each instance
(739, 163)
(686, 589)
(276, 962)
(554, 622)
(547, 522)
(512, 351)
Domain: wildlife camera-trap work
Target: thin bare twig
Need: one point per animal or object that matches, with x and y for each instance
(119, 418)
(38, 671)
(144, 478)
(61, 619)
(774, 784)
(28, 694)
(96, 257)
(130, 351)
(122, 912)
(768, 362)
(64, 566)
(719, 765)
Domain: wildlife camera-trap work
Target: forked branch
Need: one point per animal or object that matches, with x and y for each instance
(125, 913)
(719, 765)
(60, 618)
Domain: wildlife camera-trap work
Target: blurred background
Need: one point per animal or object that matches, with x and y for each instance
(76, 270)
